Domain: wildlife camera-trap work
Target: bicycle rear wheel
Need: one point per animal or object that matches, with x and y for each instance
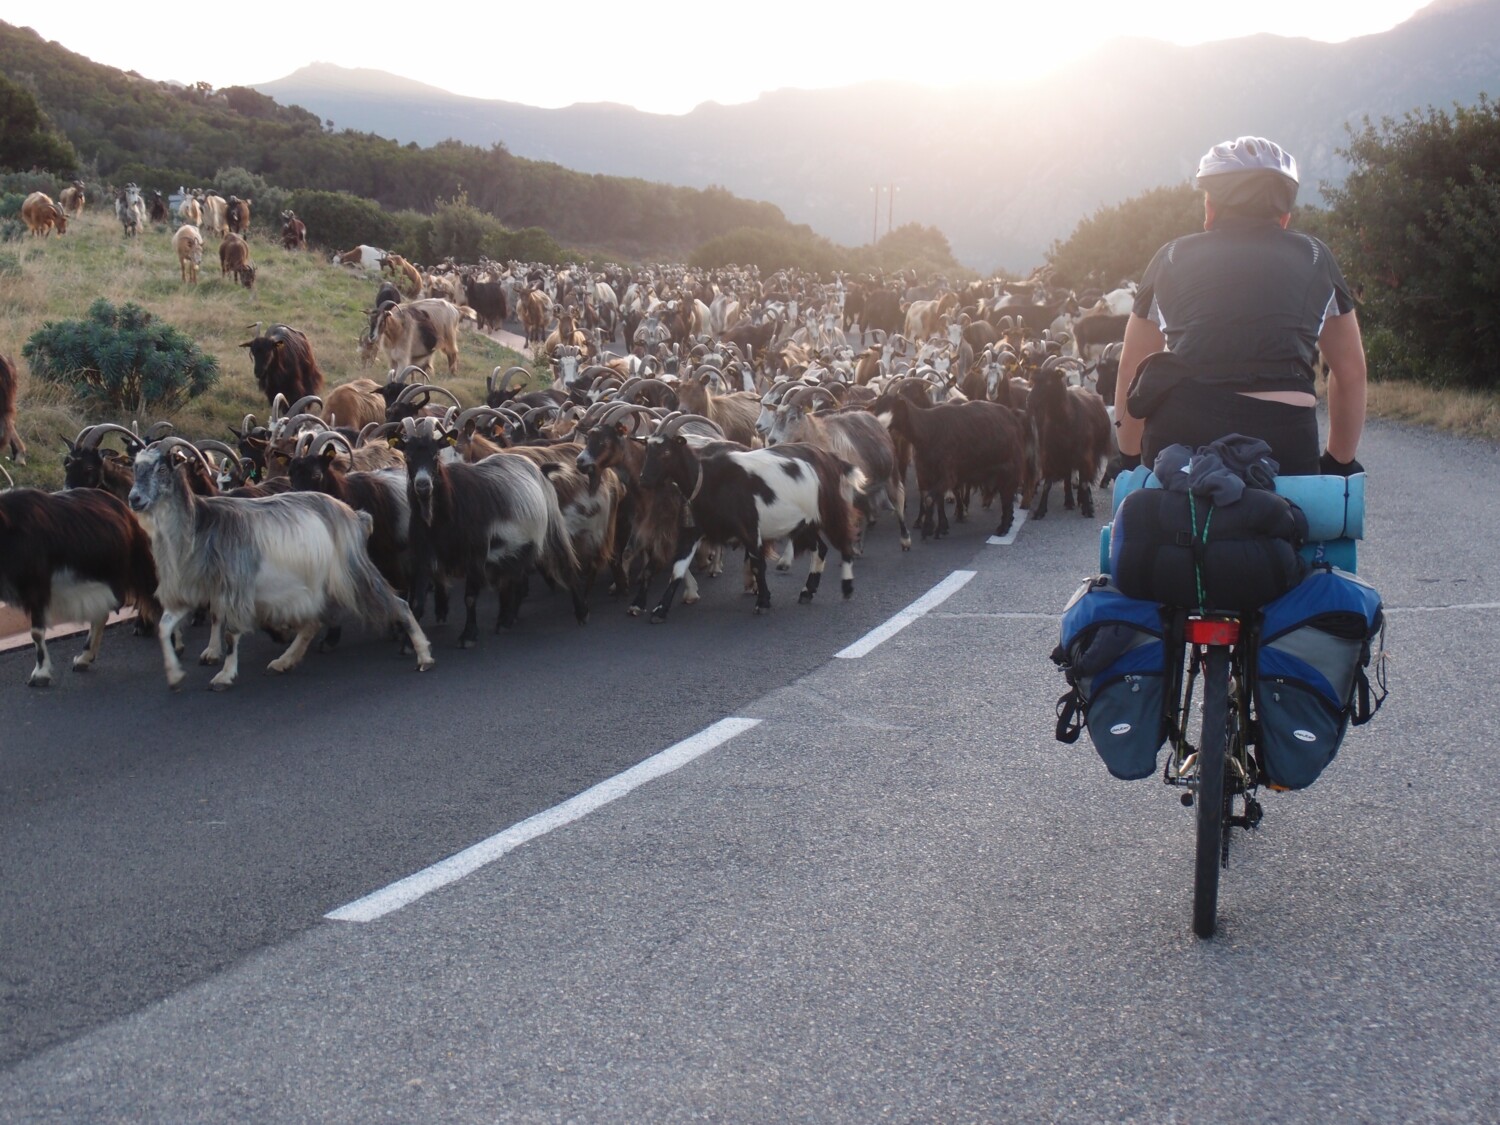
(1211, 801)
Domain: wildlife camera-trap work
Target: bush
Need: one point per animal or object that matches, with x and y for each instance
(10, 205)
(267, 201)
(340, 221)
(120, 358)
(1416, 227)
(12, 230)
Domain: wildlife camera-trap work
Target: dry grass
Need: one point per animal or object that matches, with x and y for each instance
(58, 278)
(1471, 413)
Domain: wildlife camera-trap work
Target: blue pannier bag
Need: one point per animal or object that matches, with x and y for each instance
(1309, 680)
(1113, 653)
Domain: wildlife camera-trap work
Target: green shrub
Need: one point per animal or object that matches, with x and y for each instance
(267, 201)
(10, 265)
(10, 205)
(340, 221)
(12, 230)
(1416, 227)
(121, 358)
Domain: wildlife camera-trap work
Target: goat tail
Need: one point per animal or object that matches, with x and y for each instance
(837, 511)
(142, 577)
(558, 555)
(364, 592)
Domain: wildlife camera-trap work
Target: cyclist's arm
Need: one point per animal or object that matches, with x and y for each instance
(1142, 338)
(1344, 352)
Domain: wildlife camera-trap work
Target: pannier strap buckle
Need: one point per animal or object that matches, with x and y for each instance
(1211, 631)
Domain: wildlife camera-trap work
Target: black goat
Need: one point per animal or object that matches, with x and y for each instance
(1072, 436)
(959, 446)
(489, 522)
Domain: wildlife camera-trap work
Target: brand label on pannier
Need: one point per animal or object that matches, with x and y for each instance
(1305, 735)
(1120, 728)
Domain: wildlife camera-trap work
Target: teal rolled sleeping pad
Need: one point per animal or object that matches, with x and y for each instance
(1334, 506)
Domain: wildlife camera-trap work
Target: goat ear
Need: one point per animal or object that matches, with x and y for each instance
(451, 439)
(329, 452)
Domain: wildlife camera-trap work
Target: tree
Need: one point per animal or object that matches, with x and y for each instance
(27, 139)
(1116, 243)
(1416, 228)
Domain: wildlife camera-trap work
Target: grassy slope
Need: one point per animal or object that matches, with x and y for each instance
(58, 278)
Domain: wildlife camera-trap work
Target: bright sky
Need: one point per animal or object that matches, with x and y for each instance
(668, 58)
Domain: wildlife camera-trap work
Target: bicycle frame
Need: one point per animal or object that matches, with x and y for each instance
(1220, 766)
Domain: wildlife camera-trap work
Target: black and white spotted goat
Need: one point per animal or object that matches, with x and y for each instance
(755, 497)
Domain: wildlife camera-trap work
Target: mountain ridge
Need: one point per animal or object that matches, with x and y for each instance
(1049, 152)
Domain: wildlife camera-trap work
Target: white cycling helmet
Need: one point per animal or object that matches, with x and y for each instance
(1248, 154)
(1249, 169)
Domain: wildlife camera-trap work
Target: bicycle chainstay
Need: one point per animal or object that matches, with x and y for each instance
(1241, 776)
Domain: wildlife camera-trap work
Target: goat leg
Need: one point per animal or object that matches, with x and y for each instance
(814, 572)
(686, 548)
(225, 679)
(1086, 499)
(762, 587)
(165, 630)
(1039, 510)
(41, 675)
(296, 651)
(85, 659)
(473, 583)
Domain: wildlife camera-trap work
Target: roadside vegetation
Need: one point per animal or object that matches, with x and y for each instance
(1415, 227)
(59, 278)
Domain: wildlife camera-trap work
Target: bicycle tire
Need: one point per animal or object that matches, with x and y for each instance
(1210, 802)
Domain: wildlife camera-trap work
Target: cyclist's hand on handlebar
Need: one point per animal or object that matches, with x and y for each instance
(1332, 468)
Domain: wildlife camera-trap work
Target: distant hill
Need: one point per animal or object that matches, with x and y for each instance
(1001, 170)
(163, 134)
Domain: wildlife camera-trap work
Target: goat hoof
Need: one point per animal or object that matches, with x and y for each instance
(783, 567)
(80, 664)
(848, 588)
(805, 598)
(906, 544)
(760, 609)
(217, 684)
(691, 599)
(426, 665)
(634, 611)
(208, 657)
(467, 642)
(39, 681)
(658, 619)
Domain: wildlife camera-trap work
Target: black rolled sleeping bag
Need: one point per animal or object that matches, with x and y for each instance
(1182, 550)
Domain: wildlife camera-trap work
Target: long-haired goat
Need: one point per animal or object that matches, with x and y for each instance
(290, 561)
(72, 556)
(853, 435)
(489, 522)
(8, 435)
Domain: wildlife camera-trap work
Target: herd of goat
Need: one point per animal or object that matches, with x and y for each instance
(774, 435)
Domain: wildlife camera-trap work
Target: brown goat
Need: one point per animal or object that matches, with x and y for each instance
(8, 435)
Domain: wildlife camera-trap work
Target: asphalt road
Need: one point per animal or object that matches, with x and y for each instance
(895, 897)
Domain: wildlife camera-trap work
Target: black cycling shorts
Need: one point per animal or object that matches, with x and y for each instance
(1195, 415)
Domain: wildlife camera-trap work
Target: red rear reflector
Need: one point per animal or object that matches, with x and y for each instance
(1214, 632)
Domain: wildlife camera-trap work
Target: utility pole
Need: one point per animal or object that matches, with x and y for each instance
(890, 216)
(875, 219)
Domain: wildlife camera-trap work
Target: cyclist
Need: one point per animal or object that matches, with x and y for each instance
(1227, 326)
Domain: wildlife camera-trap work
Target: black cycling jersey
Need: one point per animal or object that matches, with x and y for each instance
(1245, 302)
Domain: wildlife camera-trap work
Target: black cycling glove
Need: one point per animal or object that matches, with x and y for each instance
(1331, 468)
